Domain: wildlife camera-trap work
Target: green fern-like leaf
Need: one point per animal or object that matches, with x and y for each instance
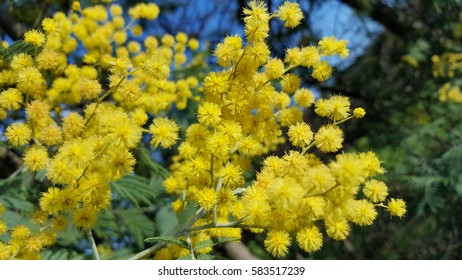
(137, 189)
(169, 239)
(214, 241)
(207, 257)
(185, 258)
(138, 225)
(166, 220)
(17, 48)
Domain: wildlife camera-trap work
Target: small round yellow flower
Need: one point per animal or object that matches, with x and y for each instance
(362, 212)
(396, 207)
(36, 158)
(11, 99)
(18, 134)
(50, 26)
(359, 112)
(375, 191)
(209, 114)
(206, 198)
(290, 14)
(309, 239)
(337, 229)
(164, 132)
(329, 138)
(300, 134)
(34, 37)
(277, 243)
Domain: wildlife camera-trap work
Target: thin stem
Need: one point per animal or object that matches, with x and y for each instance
(100, 100)
(176, 233)
(96, 157)
(211, 171)
(324, 192)
(93, 244)
(343, 120)
(218, 188)
(234, 73)
(148, 251)
(233, 224)
(269, 80)
(307, 148)
(191, 249)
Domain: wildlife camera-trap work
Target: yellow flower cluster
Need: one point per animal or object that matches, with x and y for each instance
(247, 108)
(79, 129)
(446, 66)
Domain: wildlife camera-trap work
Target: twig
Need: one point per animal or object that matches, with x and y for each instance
(93, 244)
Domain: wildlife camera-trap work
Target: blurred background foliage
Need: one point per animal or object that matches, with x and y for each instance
(389, 72)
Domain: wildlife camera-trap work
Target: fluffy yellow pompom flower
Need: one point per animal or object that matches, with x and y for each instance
(256, 19)
(34, 37)
(396, 207)
(84, 218)
(120, 66)
(73, 124)
(362, 212)
(277, 243)
(375, 191)
(76, 153)
(232, 175)
(219, 145)
(5, 251)
(50, 26)
(158, 67)
(337, 229)
(129, 91)
(359, 112)
(209, 114)
(329, 138)
(31, 81)
(309, 239)
(164, 132)
(338, 107)
(309, 56)
(11, 99)
(89, 88)
(285, 193)
(36, 158)
(290, 14)
(216, 83)
(274, 68)
(51, 135)
(290, 82)
(300, 134)
(206, 198)
(20, 233)
(48, 201)
(322, 71)
(21, 61)
(304, 97)
(18, 134)
(37, 111)
(330, 46)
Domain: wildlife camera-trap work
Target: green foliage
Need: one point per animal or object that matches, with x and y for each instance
(137, 189)
(16, 48)
(170, 240)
